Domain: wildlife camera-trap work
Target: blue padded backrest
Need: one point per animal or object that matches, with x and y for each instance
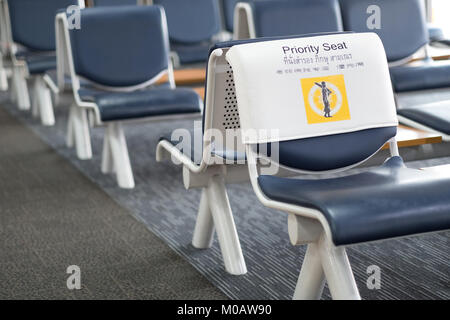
(120, 46)
(104, 3)
(403, 25)
(333, 151)
(228, 12)
(278, 18)
(33, 22)
(191, 21)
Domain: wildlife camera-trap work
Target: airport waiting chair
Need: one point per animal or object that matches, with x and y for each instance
(192, 28)
(330, 214)
(268, 18)
(30, 36)
(121, 53)
(420, 86)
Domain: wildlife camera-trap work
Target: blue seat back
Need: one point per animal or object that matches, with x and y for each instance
(228, 12)
(333, 151)
(403, 24)
(33, 22)
(120, 46)
(279, 18)
(105, 3)
(191, 21)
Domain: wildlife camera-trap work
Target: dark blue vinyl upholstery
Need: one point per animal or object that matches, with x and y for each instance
(434, 115)
(33, 22)
(428, 75)
(191, 21)
(188, 53)
(106, 3)
(333, 151)
(384, 202)
(192, 24)
(120, 46)
(152, 102)
(281, 18)
(40, 64)
(403, 26)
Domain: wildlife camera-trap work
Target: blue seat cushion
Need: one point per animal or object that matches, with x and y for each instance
(384, 202)
(53, 75)
(39, 63)
(428, 75)
(114, 106)
(191, 53)
(434, 115)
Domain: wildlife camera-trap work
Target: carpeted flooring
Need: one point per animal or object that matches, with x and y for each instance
(411, 268)
(52, 216)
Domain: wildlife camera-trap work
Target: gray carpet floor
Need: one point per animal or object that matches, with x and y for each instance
(411, 268)
(52, 216)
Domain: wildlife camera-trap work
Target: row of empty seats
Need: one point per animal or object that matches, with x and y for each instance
(111, 68)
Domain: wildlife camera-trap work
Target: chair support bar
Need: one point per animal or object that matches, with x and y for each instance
(312, 279)
(78, 132)
(20, 87)
(204, 227)
(323, 260)
(215, 212)
(42, 104)
(115, 156)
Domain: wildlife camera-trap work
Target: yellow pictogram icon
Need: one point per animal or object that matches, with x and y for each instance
(325, 99)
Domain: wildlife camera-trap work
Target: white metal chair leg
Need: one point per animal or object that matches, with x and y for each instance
(44, 102)
(120, 157)
(225, 227)
(107, 160)
(3, 76)
(21, 88)
(78, 132)
(312, 279)
(204, 227)
(34, 100)
(12, 91)
(70, 137)
(338, 271)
